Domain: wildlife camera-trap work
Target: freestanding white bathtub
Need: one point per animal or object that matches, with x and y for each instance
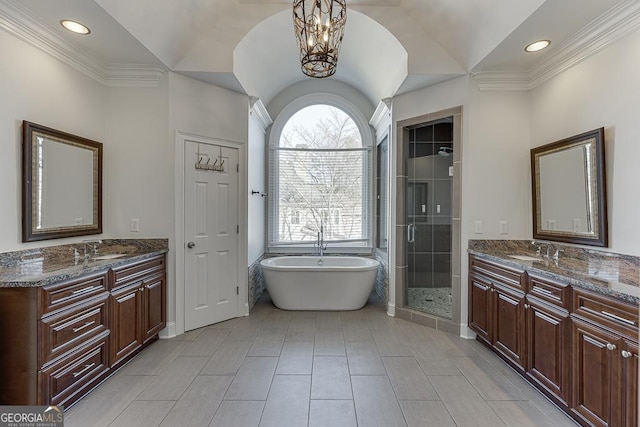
(319, 283)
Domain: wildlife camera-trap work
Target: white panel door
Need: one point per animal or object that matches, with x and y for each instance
(211, 235)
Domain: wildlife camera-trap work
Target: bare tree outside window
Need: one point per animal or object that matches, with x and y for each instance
(321, 166)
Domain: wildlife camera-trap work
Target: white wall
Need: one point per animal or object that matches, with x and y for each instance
(602, 91)
(257, 181)
(138, 170)
(314, 86)
(205, 110)
(40, 89)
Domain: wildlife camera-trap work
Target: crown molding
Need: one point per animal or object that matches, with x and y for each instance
(605, 30)
(259, 111)
(381, 117)
(21, 23)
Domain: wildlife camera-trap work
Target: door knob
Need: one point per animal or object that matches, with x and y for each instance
(191, 245)
(611, 347)
(626, 354)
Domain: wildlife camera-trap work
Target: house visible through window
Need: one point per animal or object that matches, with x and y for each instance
(319, 176)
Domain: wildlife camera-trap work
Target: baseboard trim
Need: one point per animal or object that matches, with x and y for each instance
(391, 310)
(168, 332)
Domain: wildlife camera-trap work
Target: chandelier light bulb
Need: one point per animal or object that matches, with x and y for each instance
(311, 43)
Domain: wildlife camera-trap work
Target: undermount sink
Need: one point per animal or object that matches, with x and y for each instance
(109, 256)
(525, 257)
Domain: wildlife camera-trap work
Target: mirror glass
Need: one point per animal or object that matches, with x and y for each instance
(62, 184)
(568, 190)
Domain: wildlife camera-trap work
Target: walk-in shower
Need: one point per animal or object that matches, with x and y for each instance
(429, 217)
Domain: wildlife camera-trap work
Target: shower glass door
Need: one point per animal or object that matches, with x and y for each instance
(429, 198)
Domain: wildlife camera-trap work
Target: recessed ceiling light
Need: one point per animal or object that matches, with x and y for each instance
(75, 27)
(536, 46)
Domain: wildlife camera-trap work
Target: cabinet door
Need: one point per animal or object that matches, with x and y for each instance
(126, 325)
(548, 349)
(153, 312)
(508, 329)
(480, 307)
(595, 365)
(629, 381)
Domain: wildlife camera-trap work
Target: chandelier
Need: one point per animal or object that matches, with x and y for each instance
(319, 27)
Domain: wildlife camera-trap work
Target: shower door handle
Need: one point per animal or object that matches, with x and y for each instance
(411, 233)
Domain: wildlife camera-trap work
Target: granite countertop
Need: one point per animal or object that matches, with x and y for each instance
(603, 272)
(42, 266)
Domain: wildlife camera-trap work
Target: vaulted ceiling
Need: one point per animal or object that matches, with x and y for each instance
(390, 46)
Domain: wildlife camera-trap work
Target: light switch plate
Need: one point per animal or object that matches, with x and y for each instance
(135, 225)
(504, 227)
(477, 227)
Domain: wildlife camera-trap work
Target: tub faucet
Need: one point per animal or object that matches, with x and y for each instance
(320, 244)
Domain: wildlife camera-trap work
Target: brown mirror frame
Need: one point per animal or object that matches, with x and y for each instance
(595, 187)
(30, 230)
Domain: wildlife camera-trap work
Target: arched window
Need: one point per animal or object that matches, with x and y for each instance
(319, 178)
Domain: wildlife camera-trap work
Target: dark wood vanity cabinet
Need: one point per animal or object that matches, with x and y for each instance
(577, 347)
(138, 300)
(496, 309)
(548, 332)
(59, 339)
(604, 360)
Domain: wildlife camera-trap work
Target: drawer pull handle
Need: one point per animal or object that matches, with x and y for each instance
(611, 346)
(83, 290)
(626, 354)
(621, 319)
(544, 291)
(86, 368)
(86, 325)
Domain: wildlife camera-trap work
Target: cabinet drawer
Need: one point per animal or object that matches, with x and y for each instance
(553, 292)
(60, 295)
(498, 273)
(605, 311)
(68, 380)
(61, 332)
(136, 272)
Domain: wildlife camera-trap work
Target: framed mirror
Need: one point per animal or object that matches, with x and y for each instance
(61, 184)
(569, 190)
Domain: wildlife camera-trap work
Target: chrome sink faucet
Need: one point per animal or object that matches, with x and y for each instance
(95, 247)
(538, 246)
(320, 244)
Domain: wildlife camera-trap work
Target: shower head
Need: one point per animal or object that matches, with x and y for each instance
(445, 151)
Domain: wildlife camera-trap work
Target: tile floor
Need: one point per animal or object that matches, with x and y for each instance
(317, 369)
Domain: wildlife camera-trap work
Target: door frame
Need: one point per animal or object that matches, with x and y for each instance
(243, 305)
(398, 265)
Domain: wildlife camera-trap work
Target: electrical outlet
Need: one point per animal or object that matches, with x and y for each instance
(135, 225)
(504, 227)
(79, 221)
(477, 227)
(551, 224)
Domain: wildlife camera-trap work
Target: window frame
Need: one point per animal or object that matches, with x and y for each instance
(368, 144)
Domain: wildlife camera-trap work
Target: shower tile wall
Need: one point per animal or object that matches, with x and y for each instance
(430, 257)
